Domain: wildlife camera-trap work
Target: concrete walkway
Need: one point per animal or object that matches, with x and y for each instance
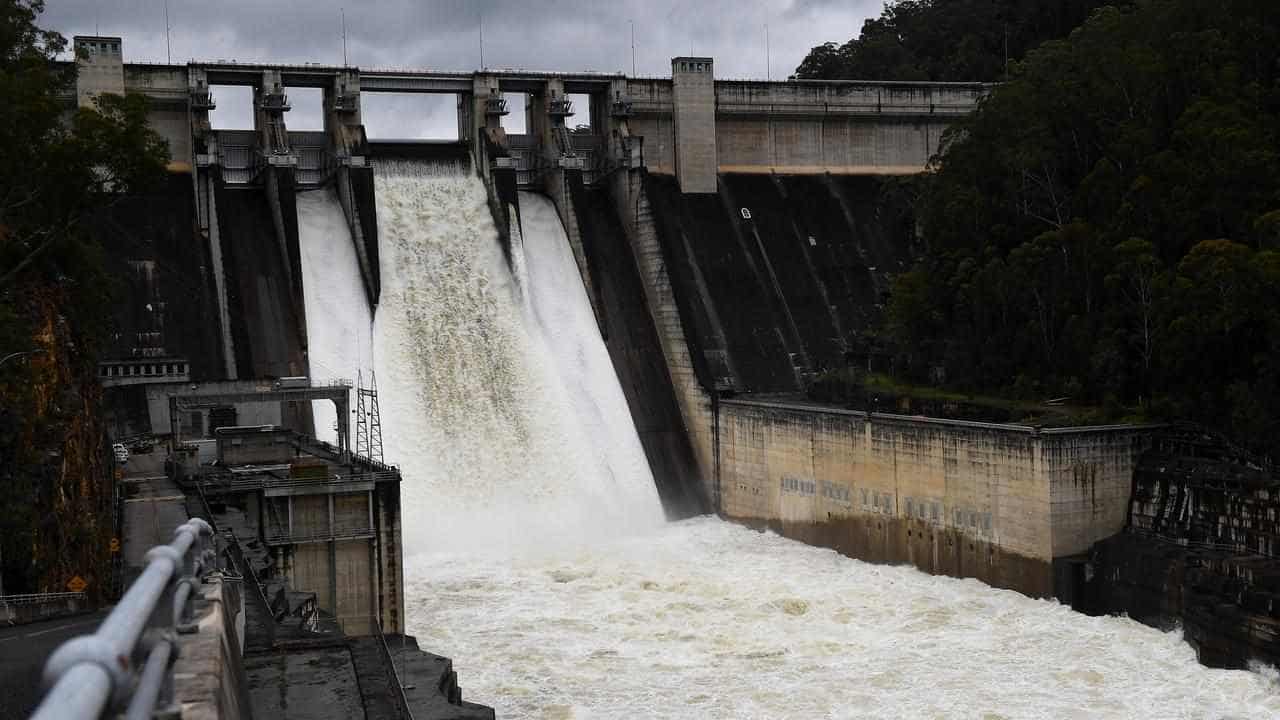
(154, 506)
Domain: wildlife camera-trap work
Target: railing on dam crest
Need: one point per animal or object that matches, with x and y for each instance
(127, 664)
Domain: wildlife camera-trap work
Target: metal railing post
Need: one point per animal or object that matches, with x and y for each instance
(127, 663)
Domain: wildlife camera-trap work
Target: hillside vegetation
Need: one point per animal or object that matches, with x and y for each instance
(1107, 225)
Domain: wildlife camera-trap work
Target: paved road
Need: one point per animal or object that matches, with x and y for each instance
(23, 650)
(154, 509)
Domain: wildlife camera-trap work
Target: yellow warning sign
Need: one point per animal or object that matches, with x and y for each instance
(115, 545)
(77, 584)
(119, 473)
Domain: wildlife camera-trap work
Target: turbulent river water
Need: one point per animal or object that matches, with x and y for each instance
(705, 619)
(537, 559)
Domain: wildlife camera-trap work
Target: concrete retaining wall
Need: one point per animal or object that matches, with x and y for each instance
(995, 502)
(208, 676)
(1090, 476)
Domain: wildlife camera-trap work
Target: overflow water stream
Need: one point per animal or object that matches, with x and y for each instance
(339, 324)
(536, 555)
(498, 402)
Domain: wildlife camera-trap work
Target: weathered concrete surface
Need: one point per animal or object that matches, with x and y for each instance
(779, 278)
(996, 502)
(315, 683)
(1199, 552)
(167, 309)
(678, 341)
(692, 124)
(1090, 477)
(209, 680)
(153, 508)
(31, 612)
(949, 497)
(1224, 603)
(99, 68)
(378, 687)
(268, 331)
(628, 331)
(430, 684)
(809, 127)
(693, 96)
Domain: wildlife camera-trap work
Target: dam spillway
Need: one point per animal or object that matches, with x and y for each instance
(339, 320)
(495, 396)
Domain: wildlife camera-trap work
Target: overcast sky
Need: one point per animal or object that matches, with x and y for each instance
(563, 35)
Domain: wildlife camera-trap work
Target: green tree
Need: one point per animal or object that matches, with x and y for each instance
(1106, 222)
(59, 164)
(948, 40)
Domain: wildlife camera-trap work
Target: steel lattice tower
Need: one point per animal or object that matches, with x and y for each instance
(368, 419)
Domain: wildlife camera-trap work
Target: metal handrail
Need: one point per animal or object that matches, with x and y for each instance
(33, 598)
(312, 443)
(401, 701)
(277, 533)
(226, 480)
(90, 673)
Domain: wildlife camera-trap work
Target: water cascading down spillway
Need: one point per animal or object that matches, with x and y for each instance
(499, 400)
(537, 558)
(339, 320)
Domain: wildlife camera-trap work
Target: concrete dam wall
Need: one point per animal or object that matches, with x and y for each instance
(268, 324)
(781, 277)
(636, 350)
(763, 303)
(734, 239)
(996, 502)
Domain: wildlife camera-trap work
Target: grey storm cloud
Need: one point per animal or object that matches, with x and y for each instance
(567, 35)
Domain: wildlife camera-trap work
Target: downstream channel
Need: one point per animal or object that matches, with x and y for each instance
(536, 553)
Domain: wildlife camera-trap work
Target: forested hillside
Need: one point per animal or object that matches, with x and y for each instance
(1107, 225)
(947, 40)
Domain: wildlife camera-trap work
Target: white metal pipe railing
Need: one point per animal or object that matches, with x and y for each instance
(90, 673)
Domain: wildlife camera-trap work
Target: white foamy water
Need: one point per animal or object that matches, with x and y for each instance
(560, 307)
(339, 341)
(503, 429)
(705, 619)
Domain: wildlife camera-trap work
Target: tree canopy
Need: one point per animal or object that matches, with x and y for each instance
(59, 164)
(1107, 224)
(947, 40)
